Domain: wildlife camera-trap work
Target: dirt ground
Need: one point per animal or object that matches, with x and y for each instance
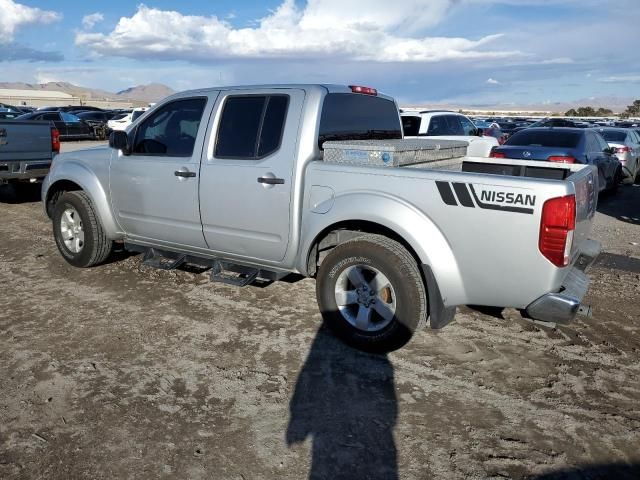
(125, 372)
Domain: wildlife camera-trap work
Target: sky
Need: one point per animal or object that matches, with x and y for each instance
(474, 52)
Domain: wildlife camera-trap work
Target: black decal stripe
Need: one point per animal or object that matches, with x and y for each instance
(446, 193)
(463, 195)
(488, 206)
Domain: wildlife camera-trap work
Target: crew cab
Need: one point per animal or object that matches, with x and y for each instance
(26, 151)
(236, 179)
(445, 125)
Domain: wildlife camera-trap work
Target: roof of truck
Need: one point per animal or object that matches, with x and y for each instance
(328, 87)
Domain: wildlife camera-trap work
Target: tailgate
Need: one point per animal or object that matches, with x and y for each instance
(585, 182)
(21, 141)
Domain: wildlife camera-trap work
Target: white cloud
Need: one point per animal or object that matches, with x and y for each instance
(492, 81)
(621, 79)
(14, 15)
(379, 32)
(89, 21)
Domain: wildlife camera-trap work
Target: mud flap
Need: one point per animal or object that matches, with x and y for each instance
(439, 315)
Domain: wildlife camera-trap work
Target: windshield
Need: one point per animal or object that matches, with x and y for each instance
(545, 138)
(613, 135)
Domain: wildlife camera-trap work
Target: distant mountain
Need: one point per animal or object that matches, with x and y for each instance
(149, 93)
(142, 93)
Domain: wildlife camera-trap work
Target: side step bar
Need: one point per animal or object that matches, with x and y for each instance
(162, 260)
(221, 271)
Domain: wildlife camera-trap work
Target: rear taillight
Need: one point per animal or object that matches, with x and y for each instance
(623, 149)
(495, 154)
(561, 159)
(363, 90)
(55, 140)
(556, 229)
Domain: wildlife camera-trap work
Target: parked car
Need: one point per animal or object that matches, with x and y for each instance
(626, 144)
(8, 114)
(99, 122)
(123, 122)
(26, 151)
(547, 122)
(565, 145)
(447, 125)
(236, 179)
(491, 130)
(69, 126)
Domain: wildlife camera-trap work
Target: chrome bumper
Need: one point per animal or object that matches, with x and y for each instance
(562, 306)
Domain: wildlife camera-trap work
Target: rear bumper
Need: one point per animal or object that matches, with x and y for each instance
(24, 170)
(562, 306)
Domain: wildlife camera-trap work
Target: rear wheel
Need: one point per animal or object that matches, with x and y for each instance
(371, 293)
(78, 232)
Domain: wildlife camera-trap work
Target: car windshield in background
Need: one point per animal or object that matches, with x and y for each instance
(410, 126)
(613, 135)
(348, 116)
(545, 138)
(136, 114)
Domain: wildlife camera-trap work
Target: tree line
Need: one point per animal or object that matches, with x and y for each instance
(632, 110)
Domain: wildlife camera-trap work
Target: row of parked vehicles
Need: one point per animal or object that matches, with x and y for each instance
(613, 149)
(75, 122)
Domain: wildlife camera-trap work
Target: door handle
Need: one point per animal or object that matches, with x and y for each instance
(184, 173)
(271, 180)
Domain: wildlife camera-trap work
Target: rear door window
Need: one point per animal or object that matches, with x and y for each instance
(438, 126)
(251, 126)
(350, 116)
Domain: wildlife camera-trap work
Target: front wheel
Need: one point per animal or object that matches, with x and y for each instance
(78, 232)
(371, 294)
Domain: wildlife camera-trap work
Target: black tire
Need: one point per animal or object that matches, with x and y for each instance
(393, 261)
(96, 247)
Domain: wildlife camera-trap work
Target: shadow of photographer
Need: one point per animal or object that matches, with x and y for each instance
(345, 402)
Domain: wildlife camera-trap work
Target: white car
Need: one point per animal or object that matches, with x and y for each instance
(121, 122)
(449, 126)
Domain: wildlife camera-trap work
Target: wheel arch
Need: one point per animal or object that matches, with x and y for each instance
(73, 176)
(385, 216)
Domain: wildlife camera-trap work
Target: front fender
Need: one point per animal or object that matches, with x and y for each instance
(407, 221)
(78, 173)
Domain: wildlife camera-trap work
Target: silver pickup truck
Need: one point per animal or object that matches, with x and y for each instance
(235, 179)
(26, 150)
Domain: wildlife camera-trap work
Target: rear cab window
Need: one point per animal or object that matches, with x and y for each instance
(352, 116)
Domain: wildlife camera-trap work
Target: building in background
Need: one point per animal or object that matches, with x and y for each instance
(52, 98)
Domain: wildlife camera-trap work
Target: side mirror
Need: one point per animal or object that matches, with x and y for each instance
(479, 132)
(610, 150)
(120, 141)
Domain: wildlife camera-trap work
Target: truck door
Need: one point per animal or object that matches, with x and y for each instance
(154, 190)
(246, 179)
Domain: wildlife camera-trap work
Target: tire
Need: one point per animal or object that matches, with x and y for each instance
(83, 242)
(373, 261)
(615, 183)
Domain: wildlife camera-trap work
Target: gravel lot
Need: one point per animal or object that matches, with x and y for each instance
(121, 371)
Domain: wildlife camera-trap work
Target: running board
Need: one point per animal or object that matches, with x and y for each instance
(221, 271)
(231, 274)
(162, 260)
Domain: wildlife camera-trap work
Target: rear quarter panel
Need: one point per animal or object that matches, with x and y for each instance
(479, 254)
